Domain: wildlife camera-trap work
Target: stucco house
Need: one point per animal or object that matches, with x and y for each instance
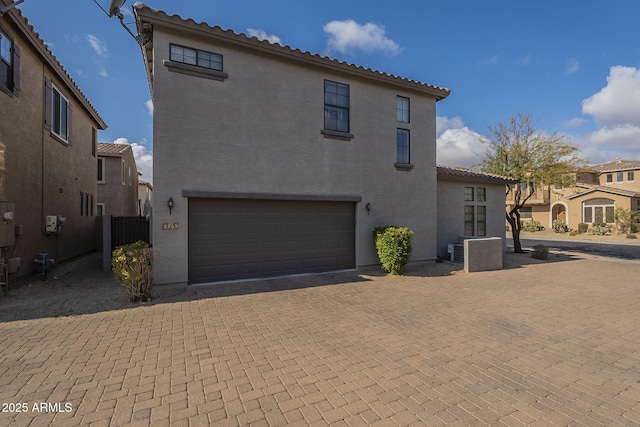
(145, 197)
(598, 191)
(48, 136)
(471, 204)
(117, 179)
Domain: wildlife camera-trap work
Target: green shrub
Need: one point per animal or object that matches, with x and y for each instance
(393, 245)
(532, 225)
(540, 252)
(631, 236)
(582, 228)
(559, 226)
(132, 267)
(599, 230)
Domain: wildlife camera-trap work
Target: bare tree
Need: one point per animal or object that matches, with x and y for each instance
(515, 149)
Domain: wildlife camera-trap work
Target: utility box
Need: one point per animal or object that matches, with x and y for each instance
(7, 226)
(13, 264)
(51, 224)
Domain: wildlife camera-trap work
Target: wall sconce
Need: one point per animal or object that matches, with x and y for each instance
(368, 208)
(170, 204)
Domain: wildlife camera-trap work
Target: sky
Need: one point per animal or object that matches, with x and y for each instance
(574, 65)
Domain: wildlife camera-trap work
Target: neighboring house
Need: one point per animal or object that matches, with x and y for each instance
(471, 204)
(598, 191)
(145, 198)
(271, 161)
(117, 180)
(48, 134)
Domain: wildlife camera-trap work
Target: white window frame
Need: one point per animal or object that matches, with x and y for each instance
(99, 209)
(57, 121)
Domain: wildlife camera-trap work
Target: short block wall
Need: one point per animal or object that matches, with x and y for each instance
(483, 254)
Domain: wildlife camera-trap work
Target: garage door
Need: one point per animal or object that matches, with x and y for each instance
(233, 239)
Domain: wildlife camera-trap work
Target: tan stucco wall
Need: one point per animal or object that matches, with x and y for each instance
(119, 199)
(450, 220)
(259, 131)
(43, 176)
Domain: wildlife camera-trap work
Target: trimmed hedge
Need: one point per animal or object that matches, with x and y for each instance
(393, 245)
(540, 252)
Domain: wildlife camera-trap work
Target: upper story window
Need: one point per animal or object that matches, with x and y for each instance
(58, 113)
(609, 177)
(101, 179)
(336, 106)
(481, 192)
(620, 176)
(197, 57)
(9, 65)
(630, 176)
(402, 109)
(402, 144)
(124, 173)
(468, 194)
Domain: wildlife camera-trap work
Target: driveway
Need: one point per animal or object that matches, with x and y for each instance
(538, 343)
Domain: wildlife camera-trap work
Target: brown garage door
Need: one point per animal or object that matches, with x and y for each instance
(244, 238)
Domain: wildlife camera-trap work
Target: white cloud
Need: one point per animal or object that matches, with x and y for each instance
(619, 101)
(489, 61)
(98, 45)
(526, 60)
(143, 156)
(456, 144)
(349, 35)
(103, 73)
(572, 66)
(262, 35)
(149, 105)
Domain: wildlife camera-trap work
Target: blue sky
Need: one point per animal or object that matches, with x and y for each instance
(574, 65)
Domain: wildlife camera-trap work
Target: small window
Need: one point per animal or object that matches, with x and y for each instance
(402, 144)
(630, 176)
(101, 179)
(609, 177)
(620, 176)
(94, 141)
(124, 173)
(9, 65)
(481, 193)
(469, 220)
(197, 57)
(81, 203)
(336, 106)
(100, 209)
(59, 120)
(526, 212)
(402, 109)
(468, 194)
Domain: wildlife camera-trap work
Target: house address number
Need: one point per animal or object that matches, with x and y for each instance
(170, 225)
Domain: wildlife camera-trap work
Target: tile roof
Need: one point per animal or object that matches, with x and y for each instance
(147, 17)
(457, 172)
(618, 165)
(29, 32)
(105, 148)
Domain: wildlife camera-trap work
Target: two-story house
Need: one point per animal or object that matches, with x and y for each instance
(598, 191)
(272, 161)
(117, 180)
(48, 136)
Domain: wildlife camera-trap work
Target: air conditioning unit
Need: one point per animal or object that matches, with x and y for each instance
(456, 252)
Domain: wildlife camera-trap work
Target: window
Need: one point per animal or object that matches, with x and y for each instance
(100, 209)
(197, 57)
(620, 176)
(598, 210)
(481, 192)
(402, 109)
(86, 204)
(94, 141)
(402, 143)
(9, 65)
(81, 203)
(609, 177)
(101, 179)
(124, 174)
(336, 106)
(481, 221)
(526, 212)
(58, 113)
(468, 194)
(630, 176)
(468, 220)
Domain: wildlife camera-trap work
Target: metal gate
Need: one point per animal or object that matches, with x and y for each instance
(128, 229)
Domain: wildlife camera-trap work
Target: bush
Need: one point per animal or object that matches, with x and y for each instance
(532, 225)
(582, 228)
(540, 252)
(599, 230)
(559, 226)
(393, 245)
(132, 267)
(631, 236)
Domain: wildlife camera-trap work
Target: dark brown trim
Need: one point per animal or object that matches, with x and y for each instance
(331, 134)
(403, 166)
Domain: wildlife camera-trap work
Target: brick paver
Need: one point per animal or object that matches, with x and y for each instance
(546, 344)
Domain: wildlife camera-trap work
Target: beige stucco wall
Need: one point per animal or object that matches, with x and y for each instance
(43, 176)
(450, 220)
(120, 199)
(259, 131)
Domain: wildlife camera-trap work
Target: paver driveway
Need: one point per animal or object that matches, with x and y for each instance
(556, 343)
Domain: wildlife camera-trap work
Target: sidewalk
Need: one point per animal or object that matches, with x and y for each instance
(613, 238)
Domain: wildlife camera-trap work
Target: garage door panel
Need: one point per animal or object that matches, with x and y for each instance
(238, 239)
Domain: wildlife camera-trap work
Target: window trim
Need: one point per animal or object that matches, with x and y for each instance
(14, 67)
(99, 209)
(50, 90)
(400, 161)
(400, 111)
(197, 57)
(328, 131)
